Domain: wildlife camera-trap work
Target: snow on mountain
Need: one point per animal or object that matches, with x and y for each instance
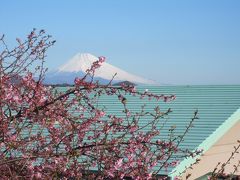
(81, 62)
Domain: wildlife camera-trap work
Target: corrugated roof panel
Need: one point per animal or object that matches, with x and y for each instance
(215, 104)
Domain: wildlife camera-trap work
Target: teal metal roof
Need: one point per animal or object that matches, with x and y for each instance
(218, 110)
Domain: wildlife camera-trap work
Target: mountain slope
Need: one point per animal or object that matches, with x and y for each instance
(78, 65)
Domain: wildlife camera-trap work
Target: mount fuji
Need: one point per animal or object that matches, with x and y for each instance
(78, 65)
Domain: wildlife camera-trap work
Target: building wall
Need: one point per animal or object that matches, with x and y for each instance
(220, 152)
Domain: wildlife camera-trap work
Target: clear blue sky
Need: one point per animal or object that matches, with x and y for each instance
(173, 42)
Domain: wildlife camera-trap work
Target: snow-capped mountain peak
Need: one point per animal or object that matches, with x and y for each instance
(81, 62)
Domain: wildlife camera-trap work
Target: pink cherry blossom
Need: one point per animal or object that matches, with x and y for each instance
(47, 133)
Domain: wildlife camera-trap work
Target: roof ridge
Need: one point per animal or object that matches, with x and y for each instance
(208, 142)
